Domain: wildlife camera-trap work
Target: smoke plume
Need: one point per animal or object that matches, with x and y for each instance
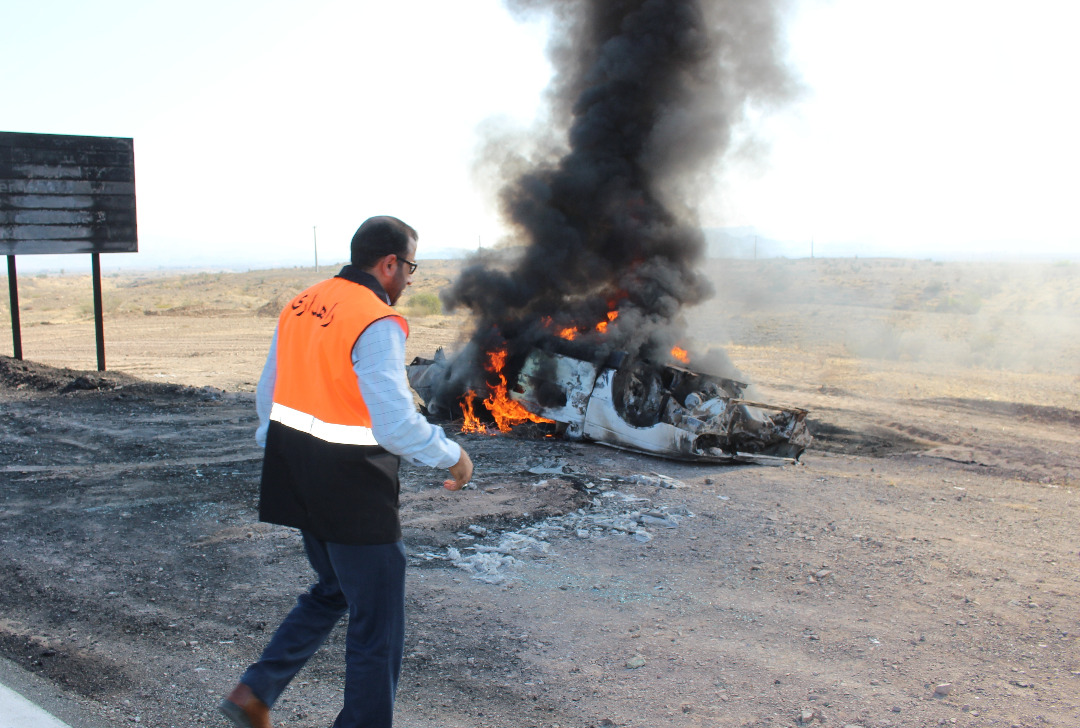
(643, 103)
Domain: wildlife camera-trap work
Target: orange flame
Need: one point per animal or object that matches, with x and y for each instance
(496, 361)
(602, 326)
(681, 354)
(507, 412)
(472, 423)
(569, 333)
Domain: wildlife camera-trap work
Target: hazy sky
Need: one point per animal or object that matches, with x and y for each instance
(942, 128)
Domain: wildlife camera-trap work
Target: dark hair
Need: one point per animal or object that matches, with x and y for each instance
(379, 237)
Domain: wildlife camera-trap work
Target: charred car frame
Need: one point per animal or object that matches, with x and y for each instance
(663, 410)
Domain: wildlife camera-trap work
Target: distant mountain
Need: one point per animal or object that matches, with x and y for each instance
(743, 242)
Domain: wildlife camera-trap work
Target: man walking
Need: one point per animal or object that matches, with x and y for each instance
(335, 415)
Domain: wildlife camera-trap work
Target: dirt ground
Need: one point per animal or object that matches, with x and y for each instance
(919, 567)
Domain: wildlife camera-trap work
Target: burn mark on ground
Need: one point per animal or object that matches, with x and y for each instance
(89, 675)
(432, 518)
(870, 439)
(1042, 414)
(42, 649)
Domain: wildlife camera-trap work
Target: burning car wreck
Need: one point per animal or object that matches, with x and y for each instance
(664, 410)
(576, 313)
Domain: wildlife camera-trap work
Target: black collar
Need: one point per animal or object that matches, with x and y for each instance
(355, 275)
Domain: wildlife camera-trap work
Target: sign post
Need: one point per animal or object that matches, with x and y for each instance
(66, 194)
(13, 296)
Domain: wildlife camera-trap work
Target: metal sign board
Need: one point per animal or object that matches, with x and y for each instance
(66, 194)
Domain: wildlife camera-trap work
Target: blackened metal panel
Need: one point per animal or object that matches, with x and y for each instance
(556, 387)
(66, 194)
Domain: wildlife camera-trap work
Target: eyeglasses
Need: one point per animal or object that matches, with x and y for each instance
(412, 266)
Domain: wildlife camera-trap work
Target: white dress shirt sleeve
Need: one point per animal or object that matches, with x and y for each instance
(379, 362)
(264, 392)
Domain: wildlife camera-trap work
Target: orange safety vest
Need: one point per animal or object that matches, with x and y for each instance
(316, 389)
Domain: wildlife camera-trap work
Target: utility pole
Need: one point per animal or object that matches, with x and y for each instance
(315, 239)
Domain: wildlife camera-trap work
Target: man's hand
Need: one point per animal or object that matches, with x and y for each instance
(461, 472)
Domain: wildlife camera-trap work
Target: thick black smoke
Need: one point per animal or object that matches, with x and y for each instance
(643, 103)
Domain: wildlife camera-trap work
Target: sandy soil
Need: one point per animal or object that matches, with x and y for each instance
(918, 568)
